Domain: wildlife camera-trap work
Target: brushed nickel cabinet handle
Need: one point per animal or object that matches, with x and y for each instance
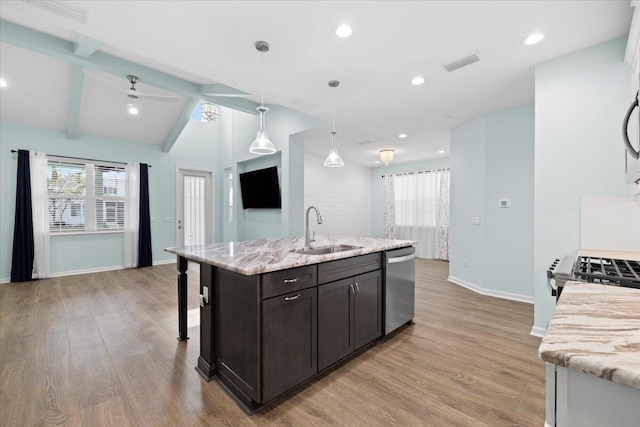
(353, 291)
(294, 280)
(357, 288)
(292, 298)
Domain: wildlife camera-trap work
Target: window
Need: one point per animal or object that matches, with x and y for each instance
(85, 196)
(416, 196)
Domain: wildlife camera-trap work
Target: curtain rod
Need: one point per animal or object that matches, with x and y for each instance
(411, 173)
(82, 158)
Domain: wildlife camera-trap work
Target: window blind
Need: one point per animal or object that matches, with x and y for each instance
(85, 196)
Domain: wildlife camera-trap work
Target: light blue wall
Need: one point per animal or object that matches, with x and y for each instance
(77, 253)
(282, 125)
(467, 201)
(580, 102)
(214, 146)
(377, 187)
(492, 159)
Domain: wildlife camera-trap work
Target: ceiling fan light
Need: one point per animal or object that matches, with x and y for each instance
(386, 156)
(133, 109)
(333, 160)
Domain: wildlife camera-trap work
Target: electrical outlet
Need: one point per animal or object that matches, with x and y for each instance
(475, 220)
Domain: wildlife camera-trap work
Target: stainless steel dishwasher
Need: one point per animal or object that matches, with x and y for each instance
(400, 287)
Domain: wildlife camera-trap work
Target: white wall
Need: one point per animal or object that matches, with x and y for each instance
(343, 196)
(580, 102)
(492, 159)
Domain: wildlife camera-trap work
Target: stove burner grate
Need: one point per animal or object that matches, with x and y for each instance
(608, 271)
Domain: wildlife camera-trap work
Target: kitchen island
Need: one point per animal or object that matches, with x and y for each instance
(592, 351)
(272, 318)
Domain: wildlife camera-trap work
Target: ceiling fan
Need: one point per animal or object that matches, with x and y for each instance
(132, 92)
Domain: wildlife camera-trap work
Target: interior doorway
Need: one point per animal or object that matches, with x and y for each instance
(194, 207)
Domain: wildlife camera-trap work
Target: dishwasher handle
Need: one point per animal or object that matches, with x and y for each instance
(401, 258)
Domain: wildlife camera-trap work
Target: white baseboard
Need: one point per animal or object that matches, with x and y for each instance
(537, 331)
(491, 292)
(92, 270)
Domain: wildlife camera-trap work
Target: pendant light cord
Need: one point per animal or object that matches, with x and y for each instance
(262, 79)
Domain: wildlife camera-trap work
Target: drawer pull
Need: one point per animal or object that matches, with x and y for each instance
(292, 298)
(357, 288)
(294, 280)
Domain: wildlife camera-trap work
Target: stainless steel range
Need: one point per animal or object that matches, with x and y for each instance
(592, 269)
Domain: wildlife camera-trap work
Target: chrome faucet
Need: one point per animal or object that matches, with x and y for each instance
(307, 240)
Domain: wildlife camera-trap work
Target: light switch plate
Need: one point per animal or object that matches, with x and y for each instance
(504, 203)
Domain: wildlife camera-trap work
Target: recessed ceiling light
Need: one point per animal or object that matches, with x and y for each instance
(417, 81)
(533, 39)
(3, 83)
(441, 151)
(446, 117)
(133, 110)
(376, 162)
(343, 31)
(402, 135)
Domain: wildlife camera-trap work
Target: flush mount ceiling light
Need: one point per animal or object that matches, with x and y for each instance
(417, 81)
(386, 156)
(209, 112)
(3, 83)
(262, 145)
(343, 31)
(533, 39)
(402, 135)
(333, 160)
(133, 109)
(441, 151)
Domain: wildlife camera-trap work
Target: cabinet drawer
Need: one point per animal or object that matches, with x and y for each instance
(285, 281)
(342, 268)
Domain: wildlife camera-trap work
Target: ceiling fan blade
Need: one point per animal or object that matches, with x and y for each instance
(103, 80)
(161, 98)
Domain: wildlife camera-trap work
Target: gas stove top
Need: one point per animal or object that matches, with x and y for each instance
(607, 271)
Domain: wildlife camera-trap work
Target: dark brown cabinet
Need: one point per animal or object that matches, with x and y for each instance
(289, 341)
(349, 316)
(273, 331)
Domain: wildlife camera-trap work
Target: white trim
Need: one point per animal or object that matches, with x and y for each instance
(537, 331)
(92, 270)
(491, 292)
(85, 233)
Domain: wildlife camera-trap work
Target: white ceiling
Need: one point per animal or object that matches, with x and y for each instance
(392, 42)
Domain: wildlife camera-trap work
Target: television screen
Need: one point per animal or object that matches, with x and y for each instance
(260, 189)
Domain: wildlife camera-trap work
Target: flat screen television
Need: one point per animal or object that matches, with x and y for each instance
(260, 189)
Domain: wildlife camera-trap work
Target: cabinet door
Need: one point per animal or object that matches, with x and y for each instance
(367, 308)
(335, 322)
(289, 341)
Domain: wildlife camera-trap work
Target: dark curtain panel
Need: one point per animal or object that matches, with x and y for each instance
(22, 256)
(145, 258)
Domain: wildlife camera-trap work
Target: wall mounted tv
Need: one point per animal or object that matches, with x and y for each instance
(260, 189)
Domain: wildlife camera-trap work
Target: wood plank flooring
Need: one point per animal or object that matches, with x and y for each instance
(101, 350)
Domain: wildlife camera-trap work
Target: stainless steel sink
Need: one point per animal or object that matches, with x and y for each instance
(323, 250)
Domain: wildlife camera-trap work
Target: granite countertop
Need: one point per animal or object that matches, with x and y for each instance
(262, 256)
(596, 329)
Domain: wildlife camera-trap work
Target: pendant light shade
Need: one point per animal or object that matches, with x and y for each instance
(333, 160)
(262, 145)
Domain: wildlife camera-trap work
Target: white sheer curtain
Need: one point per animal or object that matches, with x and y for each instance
(422, 211)
(131, 214)
(40, 213)
(389, 208)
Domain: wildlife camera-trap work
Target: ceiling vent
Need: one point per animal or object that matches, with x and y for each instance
(363, 142)
(66, 11)
(462, 63)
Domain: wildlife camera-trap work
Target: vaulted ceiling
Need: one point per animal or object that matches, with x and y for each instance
(193, 49)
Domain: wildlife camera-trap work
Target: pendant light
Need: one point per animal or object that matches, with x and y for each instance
(262, 145)
(333, 160)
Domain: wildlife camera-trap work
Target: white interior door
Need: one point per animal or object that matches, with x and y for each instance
(194, 210)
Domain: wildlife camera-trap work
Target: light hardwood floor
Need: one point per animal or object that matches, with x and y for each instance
(100, 350)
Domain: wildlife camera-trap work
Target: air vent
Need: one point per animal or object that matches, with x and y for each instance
(66, 11)
(461, 63)
(363, 142)
(305, 104)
